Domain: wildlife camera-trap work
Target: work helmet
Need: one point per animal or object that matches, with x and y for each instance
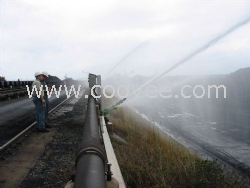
(37, 73)
(45, 74)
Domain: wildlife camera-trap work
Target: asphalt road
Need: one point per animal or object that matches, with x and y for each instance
(9, 111)
(18, 114)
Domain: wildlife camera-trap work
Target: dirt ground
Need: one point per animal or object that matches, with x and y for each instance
(56, 163)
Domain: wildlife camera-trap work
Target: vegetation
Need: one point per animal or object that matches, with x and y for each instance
(151, 159)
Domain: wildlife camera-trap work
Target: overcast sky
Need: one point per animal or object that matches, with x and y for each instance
(68, 37)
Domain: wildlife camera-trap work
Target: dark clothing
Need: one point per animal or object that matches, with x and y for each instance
(46, 108)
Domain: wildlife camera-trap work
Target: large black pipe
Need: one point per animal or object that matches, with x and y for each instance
(91, 156)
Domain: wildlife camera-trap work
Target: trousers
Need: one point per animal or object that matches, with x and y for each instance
(46, 108)
(40, 113)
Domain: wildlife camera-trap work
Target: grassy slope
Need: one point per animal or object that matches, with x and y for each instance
(150, 159)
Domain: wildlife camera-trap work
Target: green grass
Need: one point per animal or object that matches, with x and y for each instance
(151, 159)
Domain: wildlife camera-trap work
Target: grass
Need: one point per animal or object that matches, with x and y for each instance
(151, 159)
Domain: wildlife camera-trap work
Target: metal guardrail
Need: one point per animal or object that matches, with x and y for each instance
(14, 84)
(7, 93)
(116, 172)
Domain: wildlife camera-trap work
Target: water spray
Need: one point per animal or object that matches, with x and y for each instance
(126, 56)
(190, 56)
(113, 107)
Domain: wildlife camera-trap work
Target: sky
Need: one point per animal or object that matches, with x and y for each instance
(145, 37)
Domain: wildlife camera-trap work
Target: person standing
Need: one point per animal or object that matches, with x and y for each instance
(46, 75)
(39, 103)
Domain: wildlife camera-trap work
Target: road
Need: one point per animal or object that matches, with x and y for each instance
(19, 108)
(18, 114)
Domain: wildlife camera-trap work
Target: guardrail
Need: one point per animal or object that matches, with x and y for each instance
(8, 93)
(14, 84)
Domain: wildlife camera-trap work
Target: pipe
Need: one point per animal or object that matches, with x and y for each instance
(91, 156)
(90, 172)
